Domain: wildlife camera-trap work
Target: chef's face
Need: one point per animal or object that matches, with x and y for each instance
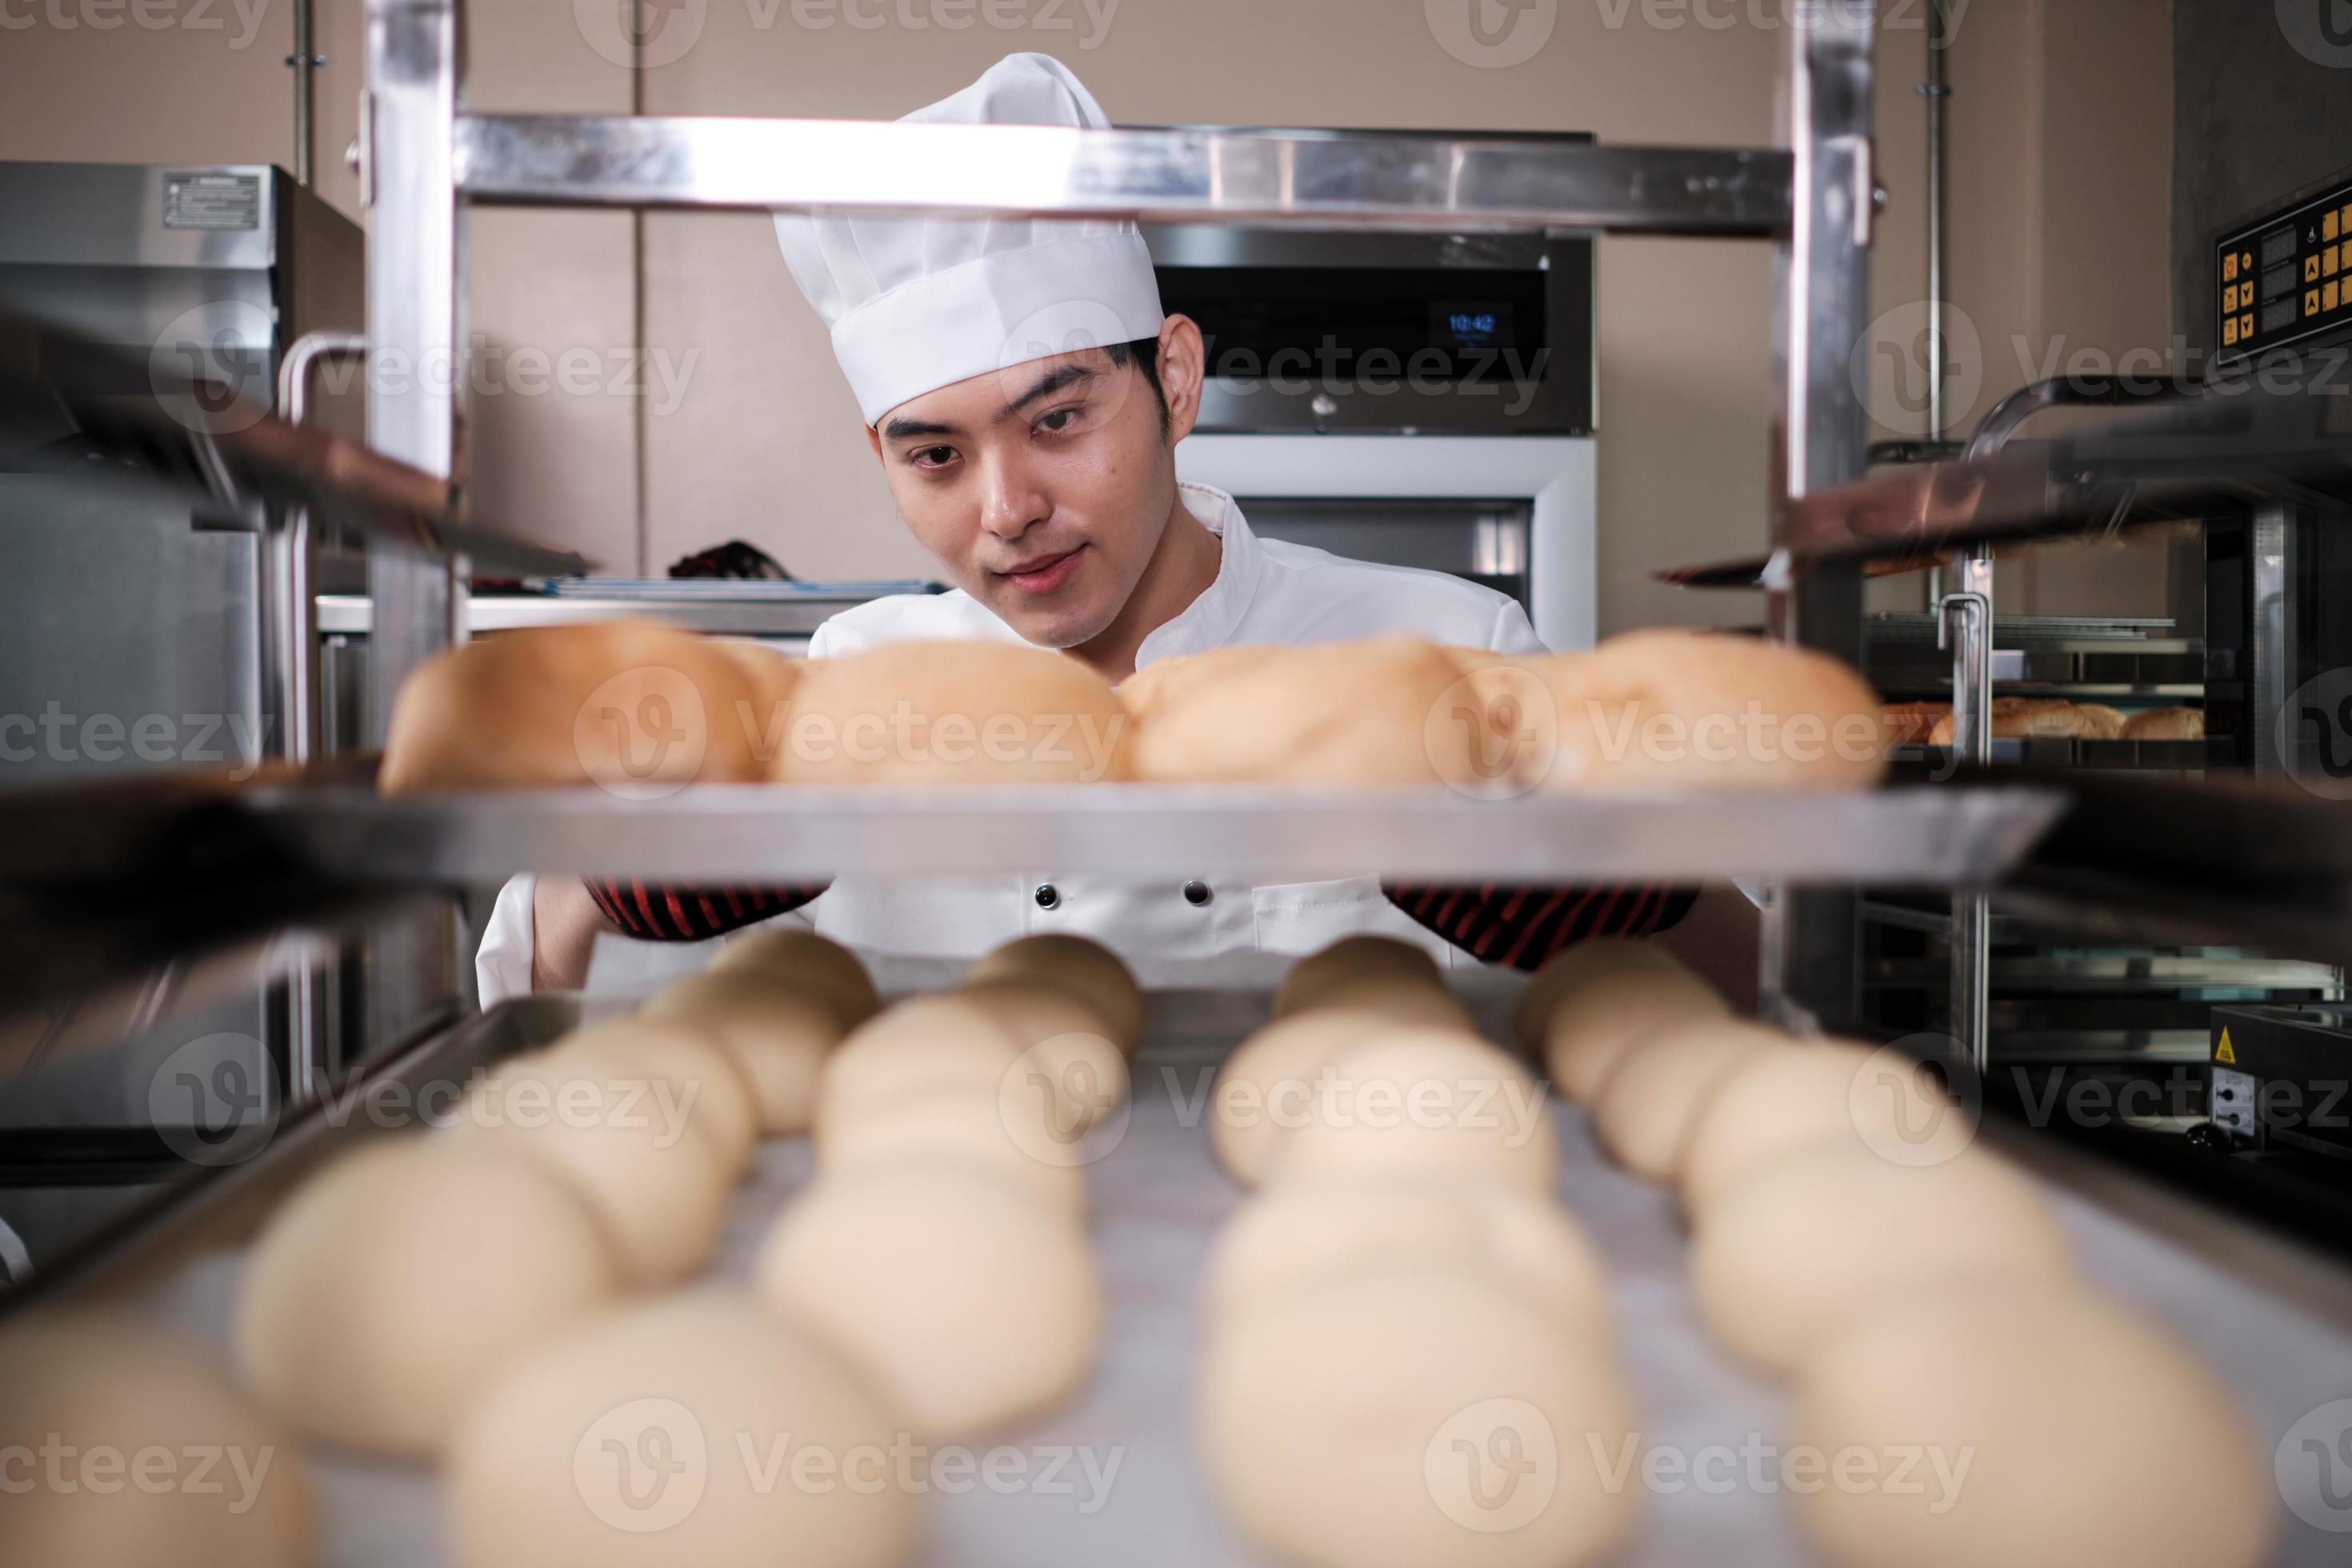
(1045, 489)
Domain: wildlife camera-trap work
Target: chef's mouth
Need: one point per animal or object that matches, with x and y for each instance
(1046, 573)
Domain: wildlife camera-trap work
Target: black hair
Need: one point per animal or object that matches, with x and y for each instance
(1145, 354)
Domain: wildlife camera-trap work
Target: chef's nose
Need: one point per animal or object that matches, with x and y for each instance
(1009, 499)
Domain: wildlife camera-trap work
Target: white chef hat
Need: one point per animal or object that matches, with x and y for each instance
(916, 304)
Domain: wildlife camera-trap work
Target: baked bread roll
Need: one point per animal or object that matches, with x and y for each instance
(1328, 977)
(1912, 724)
(954, 713)
(1358, 1424)
(1329, 714)
(106, 1382)
(2035, 719)
(2087, 1435)
(1675, 709)
(676, 1433)
(634, 707)
(2098, 722)
(773, 675)
(1296, 1237)
(974, 1304)
(819, 964)
(1076, 964)
(2166, 725)
(1817, 1240)
(389, 1291)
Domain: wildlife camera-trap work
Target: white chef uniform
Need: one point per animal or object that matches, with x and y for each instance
(916, 304)
(1265, 592)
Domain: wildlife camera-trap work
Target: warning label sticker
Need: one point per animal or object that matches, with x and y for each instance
(196, 200)
(2225, 1052)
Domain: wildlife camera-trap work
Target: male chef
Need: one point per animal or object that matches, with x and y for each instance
(1024, 392)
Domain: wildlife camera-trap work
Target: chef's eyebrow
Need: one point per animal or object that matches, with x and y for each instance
(1052, 382)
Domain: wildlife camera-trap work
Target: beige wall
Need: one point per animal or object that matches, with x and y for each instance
(764, 443)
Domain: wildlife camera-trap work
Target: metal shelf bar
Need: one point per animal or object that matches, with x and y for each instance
(1260, 177)
(729, 834)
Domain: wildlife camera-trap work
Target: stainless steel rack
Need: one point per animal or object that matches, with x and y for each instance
(425, 161)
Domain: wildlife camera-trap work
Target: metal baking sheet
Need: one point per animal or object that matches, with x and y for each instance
(1157, 1201)
(732, 834)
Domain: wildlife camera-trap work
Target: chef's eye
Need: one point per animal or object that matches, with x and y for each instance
(931, 456)
(1058, 422)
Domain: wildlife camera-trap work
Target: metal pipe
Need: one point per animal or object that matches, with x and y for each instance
(1809, 958)
(304, 61)
(293, 613)
(1938, 92)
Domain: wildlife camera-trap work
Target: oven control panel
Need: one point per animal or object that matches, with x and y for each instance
(2286, 277)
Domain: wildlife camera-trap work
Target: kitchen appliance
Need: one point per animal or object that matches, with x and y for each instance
(1414, 399)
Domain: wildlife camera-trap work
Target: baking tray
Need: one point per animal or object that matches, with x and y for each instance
(737, 833)
(1157, 1201)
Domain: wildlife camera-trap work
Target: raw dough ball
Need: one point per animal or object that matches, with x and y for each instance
(657, 1184)
(963, 1124)
(2089, 1436)
(1818, 1239)
(109, 1381)
(1646, 1107)
(974, 1303)
(622, 1445)
(1682, 710)
(386, 1293)
(1299, 1235)
(1322, 979)
(778, 1035)
(1076, 964)
(955, 713)
(1264, 1092)
(636, 706)
(1425, 1100)
(1330, 713)
(925, 1045)
(1360, 1424)
(1592, 1026)
(691, 1059)
(810, 961)
(1781, 1102)
(1578, 965)
(1067, 1054)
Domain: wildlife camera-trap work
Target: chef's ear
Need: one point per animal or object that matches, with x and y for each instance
(874, 439)
(1182, 362)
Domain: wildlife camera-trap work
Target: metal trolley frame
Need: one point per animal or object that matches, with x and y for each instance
(425, 161)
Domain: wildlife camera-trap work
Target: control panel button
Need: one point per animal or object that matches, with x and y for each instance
(2229, 267)
(2230, 333)
(2311, 270)
(2311, 302)
(2328, 297)
(2245, 329)
(2246, 262)
(2331, 226)
(2329, 260)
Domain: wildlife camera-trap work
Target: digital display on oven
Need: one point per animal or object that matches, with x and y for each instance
(2278, 246)
(1470, 325)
